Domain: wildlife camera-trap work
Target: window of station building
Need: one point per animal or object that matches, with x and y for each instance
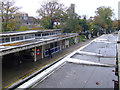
(47, 46)
(50, 33)
(47, 34)
(17, 38)
(7, 39)
(43, 34)
(56, 44)
(39, 34)
(13, 39)
(34, 35)
(51, 45)
(30, 36)
(26, 37)
(53, 33)
(21, 37)
(3, 40)
(57, 33)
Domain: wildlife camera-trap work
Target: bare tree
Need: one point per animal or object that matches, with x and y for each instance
(50, 11)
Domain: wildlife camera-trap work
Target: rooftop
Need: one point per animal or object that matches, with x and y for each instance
(26, 32)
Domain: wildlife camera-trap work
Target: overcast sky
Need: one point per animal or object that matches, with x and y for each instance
(82, 7)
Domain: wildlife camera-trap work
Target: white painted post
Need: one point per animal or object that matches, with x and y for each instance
(60, 45)
(42, 51)
(35, 55)
(68, 43)
(65, 43)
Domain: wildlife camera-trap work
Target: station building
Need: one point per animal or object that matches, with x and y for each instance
(34, 44)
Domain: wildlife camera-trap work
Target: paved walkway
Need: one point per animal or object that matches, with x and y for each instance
(13, 73)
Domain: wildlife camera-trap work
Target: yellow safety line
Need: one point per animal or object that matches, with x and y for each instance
(44, 66)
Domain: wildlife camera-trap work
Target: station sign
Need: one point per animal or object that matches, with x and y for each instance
(38, 51)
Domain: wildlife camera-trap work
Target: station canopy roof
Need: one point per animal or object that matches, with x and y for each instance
(26, 32)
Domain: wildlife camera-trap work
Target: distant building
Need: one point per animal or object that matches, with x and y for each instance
(29, 21)
(71, 10)
(56, 22)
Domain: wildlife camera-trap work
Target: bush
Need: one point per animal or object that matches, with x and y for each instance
(81, 37)
(23, 28)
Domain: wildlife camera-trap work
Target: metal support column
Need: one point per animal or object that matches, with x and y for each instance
(60, 45)
(42, 51)
(35, 55)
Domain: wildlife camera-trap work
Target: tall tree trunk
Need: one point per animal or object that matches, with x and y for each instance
(51, 24)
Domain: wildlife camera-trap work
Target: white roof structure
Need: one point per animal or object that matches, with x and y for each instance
(26, 32)
(12, 48)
